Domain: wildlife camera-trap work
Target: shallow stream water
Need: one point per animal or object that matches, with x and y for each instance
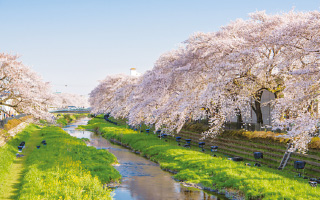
(142, 179)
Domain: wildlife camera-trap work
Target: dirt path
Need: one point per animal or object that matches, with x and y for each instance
(14, 178)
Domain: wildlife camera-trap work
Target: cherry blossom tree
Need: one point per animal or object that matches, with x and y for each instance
(63, 100)
(217, 75)
(22, 89)
(111, 95)
(300, 70)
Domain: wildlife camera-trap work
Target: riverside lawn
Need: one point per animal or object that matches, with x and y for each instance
(9, 150)
(66, 168)
(214, 172)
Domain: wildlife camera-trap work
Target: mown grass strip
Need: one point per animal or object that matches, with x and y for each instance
(8, 154)
(67, 169)
(196, 167)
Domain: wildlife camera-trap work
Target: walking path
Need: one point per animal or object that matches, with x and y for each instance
(14, 178)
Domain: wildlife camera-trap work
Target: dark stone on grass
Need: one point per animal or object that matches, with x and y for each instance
(237, 158)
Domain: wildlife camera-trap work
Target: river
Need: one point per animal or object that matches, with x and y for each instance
(142, 179)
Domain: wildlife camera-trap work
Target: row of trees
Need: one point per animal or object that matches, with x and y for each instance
(222, 74)
(24, 91)
(63, 100)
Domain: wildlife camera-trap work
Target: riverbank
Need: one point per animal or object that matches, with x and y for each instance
(229, 194)
(12, 127)
(64, 168)
(211, 172)
(8, 160)
(65, 119)
(141, 178)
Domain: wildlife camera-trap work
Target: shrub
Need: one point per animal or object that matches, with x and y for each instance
(315, 143)
(65, 119)
(256, 135)
(197, 127)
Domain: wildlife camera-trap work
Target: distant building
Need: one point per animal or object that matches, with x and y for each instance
(6, 111)
(133, 72)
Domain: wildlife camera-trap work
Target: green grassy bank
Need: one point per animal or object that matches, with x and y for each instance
(67, 169)
(214, 172)
(9, 150)
(65, 119)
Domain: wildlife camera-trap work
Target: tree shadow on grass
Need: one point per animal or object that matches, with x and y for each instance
(17, 186)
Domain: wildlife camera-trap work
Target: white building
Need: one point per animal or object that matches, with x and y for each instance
(133, 72)
(265, 109)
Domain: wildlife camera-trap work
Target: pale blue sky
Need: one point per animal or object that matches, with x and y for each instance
(77, 42)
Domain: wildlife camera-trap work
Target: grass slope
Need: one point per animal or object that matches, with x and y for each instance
(215, 172)
(65, 119)
(10, 166)
(67, 169)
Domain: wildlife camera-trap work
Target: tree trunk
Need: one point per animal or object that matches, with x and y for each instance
(257, 107)
(239, 119)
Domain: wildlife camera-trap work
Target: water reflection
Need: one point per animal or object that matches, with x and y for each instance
(142, 179)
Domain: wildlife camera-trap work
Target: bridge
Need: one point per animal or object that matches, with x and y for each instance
(72, 110)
